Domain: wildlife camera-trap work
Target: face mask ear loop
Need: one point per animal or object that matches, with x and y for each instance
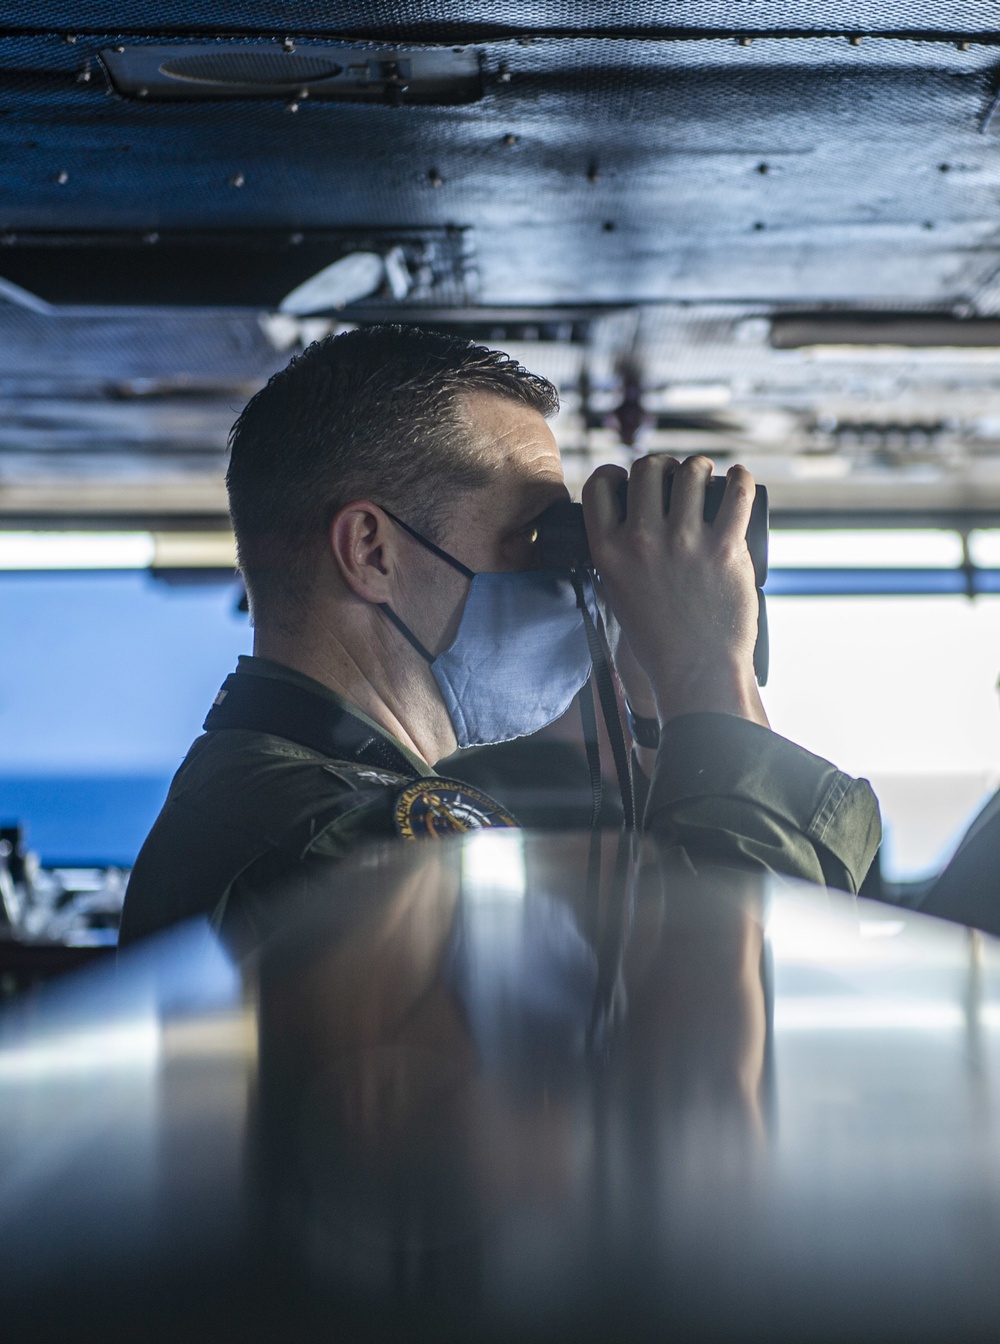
(405, 631)
(464, 570)
(609, 705)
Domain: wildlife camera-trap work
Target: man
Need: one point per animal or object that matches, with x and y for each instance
(968, 891)
(384, 490)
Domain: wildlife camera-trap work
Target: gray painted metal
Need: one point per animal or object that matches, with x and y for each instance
(664, 167)
(479, 1096)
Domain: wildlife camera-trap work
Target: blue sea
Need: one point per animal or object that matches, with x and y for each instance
(105, 680)
(83, 821)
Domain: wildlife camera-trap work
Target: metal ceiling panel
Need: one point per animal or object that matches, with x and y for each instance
(647, 199)
(795, 170)
(431, 20)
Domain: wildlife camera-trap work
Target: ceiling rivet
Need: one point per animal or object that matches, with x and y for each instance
(119, 50)
(70, 38)
(62, 177)
(503, 74)
(237, 180)
(509, 139)
(744, 41)
(288, 43)
(84, 77)
(593, 172)
(295, 238)
(435, 178)
(963, 46)
(855, 41)
(291, 107)
(763, 168)
(142, 93)
(151, 238)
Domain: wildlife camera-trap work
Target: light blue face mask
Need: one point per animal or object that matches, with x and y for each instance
(520, 655)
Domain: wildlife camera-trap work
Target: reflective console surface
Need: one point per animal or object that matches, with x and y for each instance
(512, 1087)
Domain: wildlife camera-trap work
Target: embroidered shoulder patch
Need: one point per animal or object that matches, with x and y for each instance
(437, 808)
(352, 773)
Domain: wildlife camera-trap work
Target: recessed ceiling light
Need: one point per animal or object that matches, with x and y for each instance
(345, 281)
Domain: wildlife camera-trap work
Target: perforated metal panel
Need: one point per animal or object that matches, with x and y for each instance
(432, 19)
(795, 170)
(746, 157)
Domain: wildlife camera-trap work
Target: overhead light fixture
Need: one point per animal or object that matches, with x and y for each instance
(68, 551)
(689, 397)
(897, 548)
(316, 71)
(75, 550)
(284, 331)
(912, 355)
(397, 273)
(23, 298)
(346, 281)
(984, 548)
(910, 331)
(301, 270)
(194, 550)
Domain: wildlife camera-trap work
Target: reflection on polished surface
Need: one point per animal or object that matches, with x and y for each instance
(512, 1087)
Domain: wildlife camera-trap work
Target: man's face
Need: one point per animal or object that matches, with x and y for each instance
(491, 528)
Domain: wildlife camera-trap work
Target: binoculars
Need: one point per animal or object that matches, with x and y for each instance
(562, 544)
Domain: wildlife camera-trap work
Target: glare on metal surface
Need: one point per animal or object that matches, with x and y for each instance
(493, 863)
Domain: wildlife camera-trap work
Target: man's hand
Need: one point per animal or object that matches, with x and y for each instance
(682, 589)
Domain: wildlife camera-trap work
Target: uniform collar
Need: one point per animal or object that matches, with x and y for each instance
(266, 667)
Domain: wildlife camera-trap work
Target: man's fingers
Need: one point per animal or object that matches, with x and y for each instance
(687, 494)
(601, 507)
(734, 511)
(645, 491)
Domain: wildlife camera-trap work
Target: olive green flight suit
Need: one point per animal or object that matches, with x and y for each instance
(246, 807)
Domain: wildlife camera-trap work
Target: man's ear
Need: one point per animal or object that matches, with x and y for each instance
(363, 544)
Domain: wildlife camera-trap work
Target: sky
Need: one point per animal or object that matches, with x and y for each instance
(903, 692)
(110, 672)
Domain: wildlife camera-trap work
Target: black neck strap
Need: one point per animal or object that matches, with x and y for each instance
(592, 747)
(267, 705)
(601, 678)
